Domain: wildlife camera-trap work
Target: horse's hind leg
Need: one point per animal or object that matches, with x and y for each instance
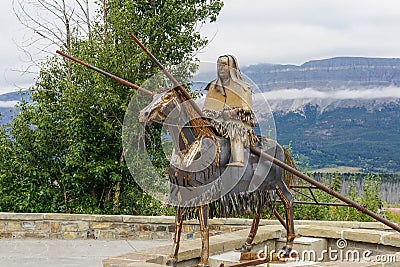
(253, 231)
(287, 199)
(205, 250)
(173, 260)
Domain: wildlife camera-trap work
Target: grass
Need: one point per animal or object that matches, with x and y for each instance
(391, 215)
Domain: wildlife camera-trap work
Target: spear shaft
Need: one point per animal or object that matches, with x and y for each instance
(322, 187)
(112, 76)
(176, 84)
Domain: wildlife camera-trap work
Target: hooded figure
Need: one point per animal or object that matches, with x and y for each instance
(228, 104)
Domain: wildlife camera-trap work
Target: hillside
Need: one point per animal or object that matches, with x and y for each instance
(7, 103)
(335, 112)
(355, 136)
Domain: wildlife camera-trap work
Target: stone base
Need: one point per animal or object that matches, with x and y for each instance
(301, 244)
(304, 243)
(233, 257)
(313, 250)
(190, 249)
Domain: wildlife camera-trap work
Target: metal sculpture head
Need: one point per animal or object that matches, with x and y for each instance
(160, 108)
(228, 69)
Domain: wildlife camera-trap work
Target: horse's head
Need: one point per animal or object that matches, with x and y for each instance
(160, 108)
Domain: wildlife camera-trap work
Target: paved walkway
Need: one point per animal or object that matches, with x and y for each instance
(67, 253)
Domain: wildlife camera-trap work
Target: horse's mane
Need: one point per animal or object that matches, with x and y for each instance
(201, 126)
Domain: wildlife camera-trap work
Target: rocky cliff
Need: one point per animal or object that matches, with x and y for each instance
(327, 74)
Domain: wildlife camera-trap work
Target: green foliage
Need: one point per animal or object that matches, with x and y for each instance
(393, 216)
(63, 152)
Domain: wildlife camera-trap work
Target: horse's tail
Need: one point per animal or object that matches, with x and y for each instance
(288, 177)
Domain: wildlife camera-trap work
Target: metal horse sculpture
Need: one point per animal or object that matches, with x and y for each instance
(202, 182)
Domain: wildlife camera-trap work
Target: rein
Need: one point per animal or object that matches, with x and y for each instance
(176, 125)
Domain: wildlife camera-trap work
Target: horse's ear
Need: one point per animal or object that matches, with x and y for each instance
(213, 83)
(162, 90)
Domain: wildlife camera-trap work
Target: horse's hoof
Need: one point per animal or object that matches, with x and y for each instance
(285, 252)
(172, 262)
(245, 248)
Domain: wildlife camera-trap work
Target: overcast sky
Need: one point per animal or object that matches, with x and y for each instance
(261, 31)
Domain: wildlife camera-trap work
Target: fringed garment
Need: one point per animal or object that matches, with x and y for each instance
(234, 124)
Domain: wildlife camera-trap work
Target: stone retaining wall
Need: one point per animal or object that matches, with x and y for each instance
(82, 226)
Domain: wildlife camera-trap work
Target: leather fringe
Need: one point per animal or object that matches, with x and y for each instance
(234, 127)
(237, 204)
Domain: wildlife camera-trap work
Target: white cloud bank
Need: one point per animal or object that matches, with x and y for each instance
(307, 93)
(8, 104)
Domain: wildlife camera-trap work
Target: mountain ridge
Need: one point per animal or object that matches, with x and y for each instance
(327, 74)
(7, 104)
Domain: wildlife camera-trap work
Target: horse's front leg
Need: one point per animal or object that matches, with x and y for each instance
(286, 196)
(173, 260)
(205, 249)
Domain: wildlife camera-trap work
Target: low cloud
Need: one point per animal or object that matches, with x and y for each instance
(8, 104)
(307, 93)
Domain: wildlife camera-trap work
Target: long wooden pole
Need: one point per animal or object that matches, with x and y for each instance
(325, 188)
(112, 76)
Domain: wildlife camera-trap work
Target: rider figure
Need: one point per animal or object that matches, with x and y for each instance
(228, 104)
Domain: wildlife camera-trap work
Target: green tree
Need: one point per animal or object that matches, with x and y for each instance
(63, 151)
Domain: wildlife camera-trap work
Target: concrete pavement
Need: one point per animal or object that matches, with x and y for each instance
(67, 253)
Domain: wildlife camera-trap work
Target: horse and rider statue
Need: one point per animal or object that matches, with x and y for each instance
(219, 166)
(212, 170)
